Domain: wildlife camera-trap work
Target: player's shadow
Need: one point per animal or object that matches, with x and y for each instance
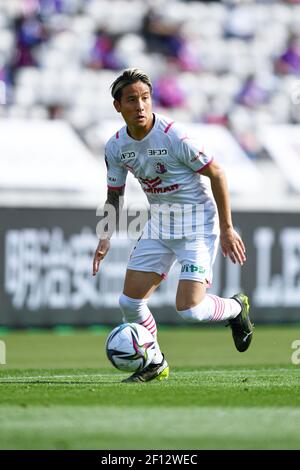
(61, 382)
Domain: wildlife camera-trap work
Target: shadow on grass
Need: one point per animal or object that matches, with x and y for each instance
(53, 382)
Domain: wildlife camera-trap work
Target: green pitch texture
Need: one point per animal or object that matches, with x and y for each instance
(58, 391)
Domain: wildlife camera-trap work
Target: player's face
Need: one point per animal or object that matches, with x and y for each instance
(136, 107)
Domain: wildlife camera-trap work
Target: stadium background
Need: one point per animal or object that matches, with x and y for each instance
(229, 70)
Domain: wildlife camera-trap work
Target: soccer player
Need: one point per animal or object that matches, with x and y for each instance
(170, 168)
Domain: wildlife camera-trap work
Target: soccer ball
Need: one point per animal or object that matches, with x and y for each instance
(130, 347)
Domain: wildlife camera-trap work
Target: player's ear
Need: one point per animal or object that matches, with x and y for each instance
(117, 106)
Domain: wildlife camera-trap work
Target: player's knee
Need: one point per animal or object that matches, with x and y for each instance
(188, 299)
(183, 303)
(181, 306)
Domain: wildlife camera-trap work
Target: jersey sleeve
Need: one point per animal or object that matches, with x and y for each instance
(191, 153)
(116, 173)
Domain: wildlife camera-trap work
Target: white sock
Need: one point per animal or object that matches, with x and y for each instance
(137, 311)
(212, 308)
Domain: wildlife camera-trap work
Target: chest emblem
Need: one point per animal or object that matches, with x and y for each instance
(160, 168)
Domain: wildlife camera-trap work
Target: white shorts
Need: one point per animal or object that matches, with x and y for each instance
(196, 257)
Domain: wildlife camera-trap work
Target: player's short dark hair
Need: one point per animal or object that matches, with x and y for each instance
(128, 77)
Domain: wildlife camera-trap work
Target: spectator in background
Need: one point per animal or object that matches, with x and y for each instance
(3, 84)
(255, 92)
(188, 60)
(29, 33)
(4, 73)
(167, 38)
(252, 93)
(289, 61)
(167, 93)
(103, 54)
(161, 36)
(50, 7)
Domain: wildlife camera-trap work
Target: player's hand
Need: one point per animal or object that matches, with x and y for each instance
(232, 245)
(100, 253)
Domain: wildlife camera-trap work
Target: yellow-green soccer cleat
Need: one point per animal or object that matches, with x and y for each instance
(242, 328)
(151, 372)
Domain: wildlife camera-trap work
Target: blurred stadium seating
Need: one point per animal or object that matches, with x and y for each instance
(232, 63)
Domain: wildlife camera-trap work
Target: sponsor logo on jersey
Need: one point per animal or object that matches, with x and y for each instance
(160, 168)
(166, 189)
(151, 183)
(157, 152)
(192, 268)
(127, 156)
(111, 178)
(150, 186)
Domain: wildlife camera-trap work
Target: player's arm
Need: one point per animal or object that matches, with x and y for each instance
(116, 179)
(231, 243)
(112, 207)
(190, 152)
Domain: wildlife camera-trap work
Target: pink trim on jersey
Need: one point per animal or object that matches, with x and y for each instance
(117, 135)
(201, 169)
(168, 127)
(116, 187)
(185, 138)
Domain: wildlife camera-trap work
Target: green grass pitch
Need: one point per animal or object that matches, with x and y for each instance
(58, 391)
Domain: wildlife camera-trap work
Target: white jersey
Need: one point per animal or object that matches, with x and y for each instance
(168, 165)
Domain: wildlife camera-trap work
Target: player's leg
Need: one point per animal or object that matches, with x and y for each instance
(194, 304)
(148, 263)
(138, 287)
(141, 284)
(214, 308)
